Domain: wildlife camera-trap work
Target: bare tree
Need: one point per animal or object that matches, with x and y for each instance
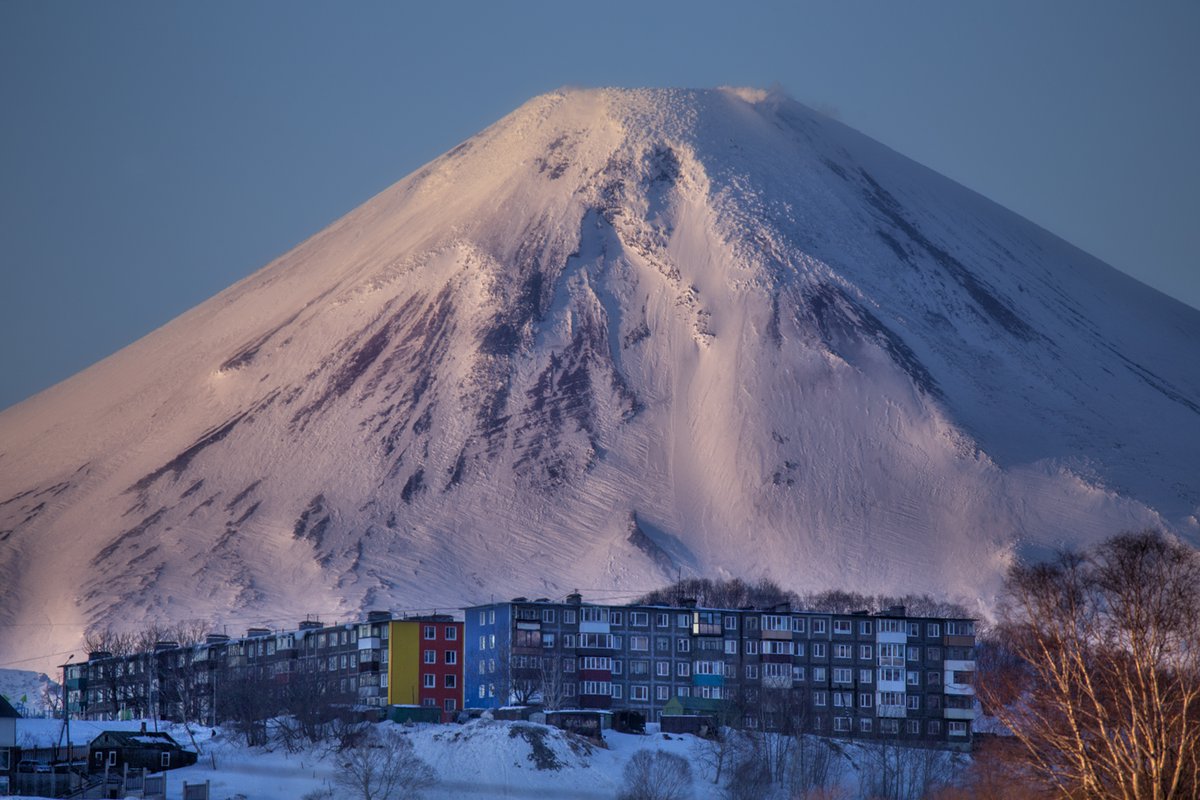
(1108, 643)
(656, 775)
(383, 766)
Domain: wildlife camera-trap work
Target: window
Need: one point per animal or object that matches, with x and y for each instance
(935, 727)
(818, 625)
(662, 644)
(639, 692)
(864, 627)
(603, 688)
(345, 661)
(547, 640)
(864, 724)
(891, 655)
(914, 703)
(843, 699)
(841, 626)
(708, 668)
(112, 757)
(429, 680)
(683, 669)
(683, 645)
(731, 646)
(731, 623)
(751, 672)
(165, 761)
(889, 726)
(663, 620)
(891, 626)
(682, 620)
(568, 640)
(568, 665)
(616, 691)
(775, 622)
(601, 663)
(818, 650)
(430, 632)
(864, 652)
(865, 699)
(617, 666)
(492, 641)
(933, 630)
(491, 666)
(933, 678)
(956, 728)
(913, 629)
(751, 623)
(662, 669)
(429, 702)
(482, 618)
(819, 699)
(431, 656)
(597, 641)
(891, 698)
(819, 674)
(568, 617)
(547, 615)
(891, 674)
(935, 702)
(683, 691)
(482, 641)
(797, 624)
(451, 681)
(639, 619)
(776, 648)
(451, 656)
(451, 633)
(752, 647)
(639, 667)
(913, 678)
(662, 692)
(639, 643)
(933, 654)
(960, 629)
(797, 673)
(450, 704)
(842, 650)
(841, 724)
(914, 653)
(482, 688)
(912, 726)
(799, 647)
(593, 614)
(843, 675)
(865, 676)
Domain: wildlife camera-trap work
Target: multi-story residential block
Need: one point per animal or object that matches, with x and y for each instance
(884, 675)
(376, 662)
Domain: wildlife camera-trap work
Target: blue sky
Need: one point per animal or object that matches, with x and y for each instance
(153, 153)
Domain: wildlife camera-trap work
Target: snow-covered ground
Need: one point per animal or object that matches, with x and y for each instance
(483, 759)
(788, 350)
(26, 690)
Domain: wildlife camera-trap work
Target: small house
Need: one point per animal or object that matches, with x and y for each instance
(150, 750)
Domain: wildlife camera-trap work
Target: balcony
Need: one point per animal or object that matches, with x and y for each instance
(370, 643)
(967, 714)
(892, 711)
(368, 666)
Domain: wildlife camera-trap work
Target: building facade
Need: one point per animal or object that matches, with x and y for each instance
(375, 662)
(872, 676)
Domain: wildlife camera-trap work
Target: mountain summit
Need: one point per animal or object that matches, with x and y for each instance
(618, 336)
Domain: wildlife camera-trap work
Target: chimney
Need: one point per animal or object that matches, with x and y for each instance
(575, 598)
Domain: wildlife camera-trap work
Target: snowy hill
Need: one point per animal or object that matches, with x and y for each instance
(788, 350)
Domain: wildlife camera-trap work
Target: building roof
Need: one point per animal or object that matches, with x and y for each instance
(7, 711)
(139, 738)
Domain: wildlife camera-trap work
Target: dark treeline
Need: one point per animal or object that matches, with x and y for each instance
(764, 594)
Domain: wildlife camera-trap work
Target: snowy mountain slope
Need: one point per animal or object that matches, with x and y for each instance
(786, 349)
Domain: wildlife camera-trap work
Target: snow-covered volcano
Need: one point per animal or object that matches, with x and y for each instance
(616, 337)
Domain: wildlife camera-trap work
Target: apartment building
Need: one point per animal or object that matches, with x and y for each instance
(374, 662)
(884, 675)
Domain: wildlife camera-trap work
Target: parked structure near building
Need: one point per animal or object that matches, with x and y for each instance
(149, 750)
(860, 675)
(375, 662)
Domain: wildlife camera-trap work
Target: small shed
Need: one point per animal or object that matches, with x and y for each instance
(696, 724)
(629, 721)
(153, 750)
(411, 713)
(582, 722)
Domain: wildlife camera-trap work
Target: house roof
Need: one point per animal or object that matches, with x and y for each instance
(7, 711)
(138, 738)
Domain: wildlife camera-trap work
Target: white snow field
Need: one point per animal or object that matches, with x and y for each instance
(790, 351)
(482, 759)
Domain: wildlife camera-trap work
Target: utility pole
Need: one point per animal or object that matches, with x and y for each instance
(66, 712)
